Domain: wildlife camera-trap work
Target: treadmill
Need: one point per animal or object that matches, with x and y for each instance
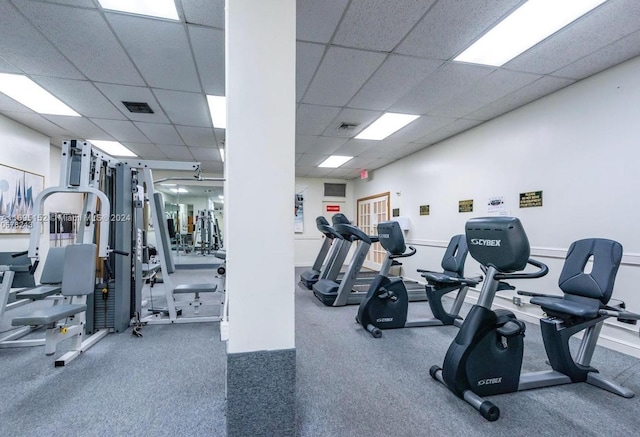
(351, 291)
(332, 255)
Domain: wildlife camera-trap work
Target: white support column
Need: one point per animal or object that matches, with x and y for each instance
(259, 203)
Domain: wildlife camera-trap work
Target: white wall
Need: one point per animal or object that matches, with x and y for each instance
(579, 146)
(307, 244)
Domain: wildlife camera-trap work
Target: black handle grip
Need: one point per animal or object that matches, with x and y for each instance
(120, 252)
(412, 251)
(33, 268)
(17, 254)
(543, 270)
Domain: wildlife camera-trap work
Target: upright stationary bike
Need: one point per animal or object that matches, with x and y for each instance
(485, 358)
(387, 302)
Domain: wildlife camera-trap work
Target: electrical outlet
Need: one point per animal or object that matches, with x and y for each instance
(517, 301)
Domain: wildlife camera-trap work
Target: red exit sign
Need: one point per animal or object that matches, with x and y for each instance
(333, 208)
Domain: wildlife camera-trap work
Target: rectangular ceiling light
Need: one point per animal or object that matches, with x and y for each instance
(335, 161)
(218, 109)
(525, 27)
(222, 154)
(179, 190)
(385, 126)
(112, 148)
(152, 8)
(32, 95)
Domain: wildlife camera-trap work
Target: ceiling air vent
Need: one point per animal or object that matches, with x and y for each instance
(138, 107)
(347, 126)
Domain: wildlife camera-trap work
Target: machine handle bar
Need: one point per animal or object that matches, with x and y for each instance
(543, 270)
(412, 251)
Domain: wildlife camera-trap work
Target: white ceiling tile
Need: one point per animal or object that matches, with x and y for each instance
(84, 37)
(122, 93)
(23, 46)
(314, 172)
(341, 74)
(160, 133)
(170, 64)
(360, 117)
(204, 12)
(312, 119)
(419, 128)
(180, 153)
(310, 160)
(450, 130)
(80, 3)
(7, 67)
(205, 153)
(385, 149)
(212, 167)
(450, 26)
(208, 49)
(605, 25)
(381, 162)
(379, 24)
(488, 89)
(145, 151)
(37, 123)
(80, 127)
(81, 96)
(354, 147)
(542, 87)
(317, 20)
(397, 76)
(438, 87)
(197, 136)
(121, 130)
(188, 109)
(608, 56)
(344, 173)
(8, 104)
(307, 59)
(318, 145)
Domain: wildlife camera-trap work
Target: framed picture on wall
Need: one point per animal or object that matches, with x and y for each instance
(18, 191)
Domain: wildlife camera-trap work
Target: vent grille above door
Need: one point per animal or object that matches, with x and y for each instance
(335, 190)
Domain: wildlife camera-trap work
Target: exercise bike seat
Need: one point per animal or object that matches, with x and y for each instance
(585, 308)
(439, 277)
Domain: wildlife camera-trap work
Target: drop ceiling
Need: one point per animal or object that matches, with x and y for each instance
(356, 59)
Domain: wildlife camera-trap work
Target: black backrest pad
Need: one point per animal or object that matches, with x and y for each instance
(391, 238)
(597, 284)
(352, 233)
(499, 242)
(455, 255)
(339, 218)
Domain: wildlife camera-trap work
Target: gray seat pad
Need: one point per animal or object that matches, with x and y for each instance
(586, 309)
(48, 315)
(39, 292)
(195, 288)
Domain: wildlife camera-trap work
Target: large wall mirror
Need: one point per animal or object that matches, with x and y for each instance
(194, 215)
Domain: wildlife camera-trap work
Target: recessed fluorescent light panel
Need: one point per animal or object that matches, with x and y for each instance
(152, 8)
(525, 27)
(335, 161)
(222, 154)
(179, 190)
(112, 148)
(386, 125)
(32, 95)
(218, 109)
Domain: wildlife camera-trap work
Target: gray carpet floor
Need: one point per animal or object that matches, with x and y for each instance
(171, 382)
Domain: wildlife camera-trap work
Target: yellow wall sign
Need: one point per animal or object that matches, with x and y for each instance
(424, 209)
(465, 205)
(530, 199)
